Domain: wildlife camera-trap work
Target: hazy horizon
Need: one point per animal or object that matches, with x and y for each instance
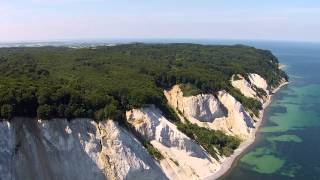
(155, 40)
(71, 20)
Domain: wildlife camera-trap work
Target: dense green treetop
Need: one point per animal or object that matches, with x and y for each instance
(103, 82)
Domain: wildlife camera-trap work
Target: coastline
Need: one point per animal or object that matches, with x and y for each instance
(229, 161)
(282, 66)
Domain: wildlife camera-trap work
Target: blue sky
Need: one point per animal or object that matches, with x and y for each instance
(26, 20)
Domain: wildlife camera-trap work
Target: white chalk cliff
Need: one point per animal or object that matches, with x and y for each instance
(80, 149)
(258, 81)
(221, 112)
(248, 88)
(183, 158)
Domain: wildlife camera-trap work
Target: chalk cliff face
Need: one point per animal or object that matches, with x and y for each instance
(248, 88)
(258, 81)
(183, 158)
(238, 122)
(203, 107)
(80, 149)
(244, 86)
(222, 112)
(7, 148)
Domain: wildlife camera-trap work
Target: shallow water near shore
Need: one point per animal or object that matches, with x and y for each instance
(287, 144)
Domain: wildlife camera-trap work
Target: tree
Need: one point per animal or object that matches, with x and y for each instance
(6, 111)
(99, 115)
(44, 96)
(44, 112)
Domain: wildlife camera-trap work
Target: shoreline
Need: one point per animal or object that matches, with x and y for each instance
(282, 66)
(229, 161)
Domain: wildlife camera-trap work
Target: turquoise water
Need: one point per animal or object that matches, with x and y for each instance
(288, 143)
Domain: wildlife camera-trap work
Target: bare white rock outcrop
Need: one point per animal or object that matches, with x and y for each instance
(80, 149)
(248, 88)
(202, 107)
(221, 112)
(258, 81)
(238, 122)
(183, 158)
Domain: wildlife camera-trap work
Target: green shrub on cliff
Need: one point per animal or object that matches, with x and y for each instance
(153, 151)
(214, 142)
(189, 90)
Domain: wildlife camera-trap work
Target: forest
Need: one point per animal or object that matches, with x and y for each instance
(103, 82)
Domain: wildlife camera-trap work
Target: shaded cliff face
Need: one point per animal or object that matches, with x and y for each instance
(80, 149)
(222, 112)
(238, 121)
(202, 107)
(183, 157)
(7, 149)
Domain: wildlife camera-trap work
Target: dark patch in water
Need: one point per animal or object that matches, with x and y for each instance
(293, 103)
(277, 109)
(314, 107)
